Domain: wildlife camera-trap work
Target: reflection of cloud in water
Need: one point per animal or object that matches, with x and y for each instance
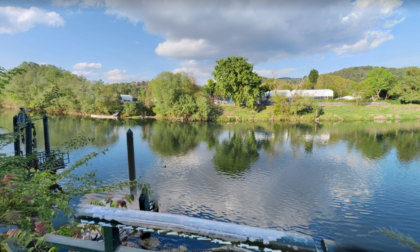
(321, 138)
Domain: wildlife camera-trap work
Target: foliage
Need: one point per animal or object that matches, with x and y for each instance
(408, 89)
(339, 85)
(297, 105)
(130, 108)
(235, 78)
(118, 203)
(380, 80)
(55, 90)
(210, 88)
(313, 76)
(358, 74)
(29, 201)
(177, 95)
(281, 105)
(308, 85)
(6, 76)
(405, 241)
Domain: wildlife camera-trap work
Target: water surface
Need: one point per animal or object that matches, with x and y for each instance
(337, 181)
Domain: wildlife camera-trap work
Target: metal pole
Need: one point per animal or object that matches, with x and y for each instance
(28, 137)
(17, 140)
(131, 163)
(46, 136)
(111, 238)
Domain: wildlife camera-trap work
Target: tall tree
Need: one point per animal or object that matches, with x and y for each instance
(209, 88)
(409, 88)
(380, 80)
(313, 76)
(234, 77)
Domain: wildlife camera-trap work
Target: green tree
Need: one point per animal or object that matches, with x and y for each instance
(308, 85)
(340, 85)
(313, 76)
(380, 80)
(235, 77)
(210, 89)
(408, 89)
(6, 76)
(281, 105)
(177, 95)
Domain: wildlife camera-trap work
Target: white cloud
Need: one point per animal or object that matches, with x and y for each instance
(392, 23)
(82, 3)
(16, 19)
(42, 63)
(85, 65)
(372, 40)
(86, 73)
(198, 69)
(186, 49)
(258, 30)
(117, 75)
(269, 73)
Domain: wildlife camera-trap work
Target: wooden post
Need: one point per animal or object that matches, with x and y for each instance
(46, 136)
(15, 132)
(131, 163)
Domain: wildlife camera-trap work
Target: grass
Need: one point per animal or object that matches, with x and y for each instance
(346, 113)
(358, 113)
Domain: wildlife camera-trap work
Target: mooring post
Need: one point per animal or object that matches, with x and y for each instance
(16, 131)
(131, 163)
(46, 136)
(111, 238)
(144, 202)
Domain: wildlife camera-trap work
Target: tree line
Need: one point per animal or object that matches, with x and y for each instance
(177, 95)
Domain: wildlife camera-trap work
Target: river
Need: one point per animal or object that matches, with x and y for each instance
(332, 180)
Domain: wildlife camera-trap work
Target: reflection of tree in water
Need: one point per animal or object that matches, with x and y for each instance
(374, 141)
(178, 138)
(65, 128)
(236, 154)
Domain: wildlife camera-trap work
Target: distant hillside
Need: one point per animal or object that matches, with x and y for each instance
(284, 80)
(360, 73)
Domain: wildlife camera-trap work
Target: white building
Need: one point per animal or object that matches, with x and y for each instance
(128, 98)
(313, 93)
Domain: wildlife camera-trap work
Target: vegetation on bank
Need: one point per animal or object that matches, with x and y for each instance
(177, 96)
(332, 113)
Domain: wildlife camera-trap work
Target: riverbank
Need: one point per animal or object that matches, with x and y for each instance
(333, 113)
(330, 113)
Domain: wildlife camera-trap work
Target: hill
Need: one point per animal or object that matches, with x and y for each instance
(360, 73)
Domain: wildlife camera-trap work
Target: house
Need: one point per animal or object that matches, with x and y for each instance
(125, 98)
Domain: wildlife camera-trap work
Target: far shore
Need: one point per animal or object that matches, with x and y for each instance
(389, 112)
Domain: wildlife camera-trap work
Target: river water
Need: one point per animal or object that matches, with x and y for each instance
(333, 180)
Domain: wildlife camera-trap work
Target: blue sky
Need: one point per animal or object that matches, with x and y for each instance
(124, 40)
